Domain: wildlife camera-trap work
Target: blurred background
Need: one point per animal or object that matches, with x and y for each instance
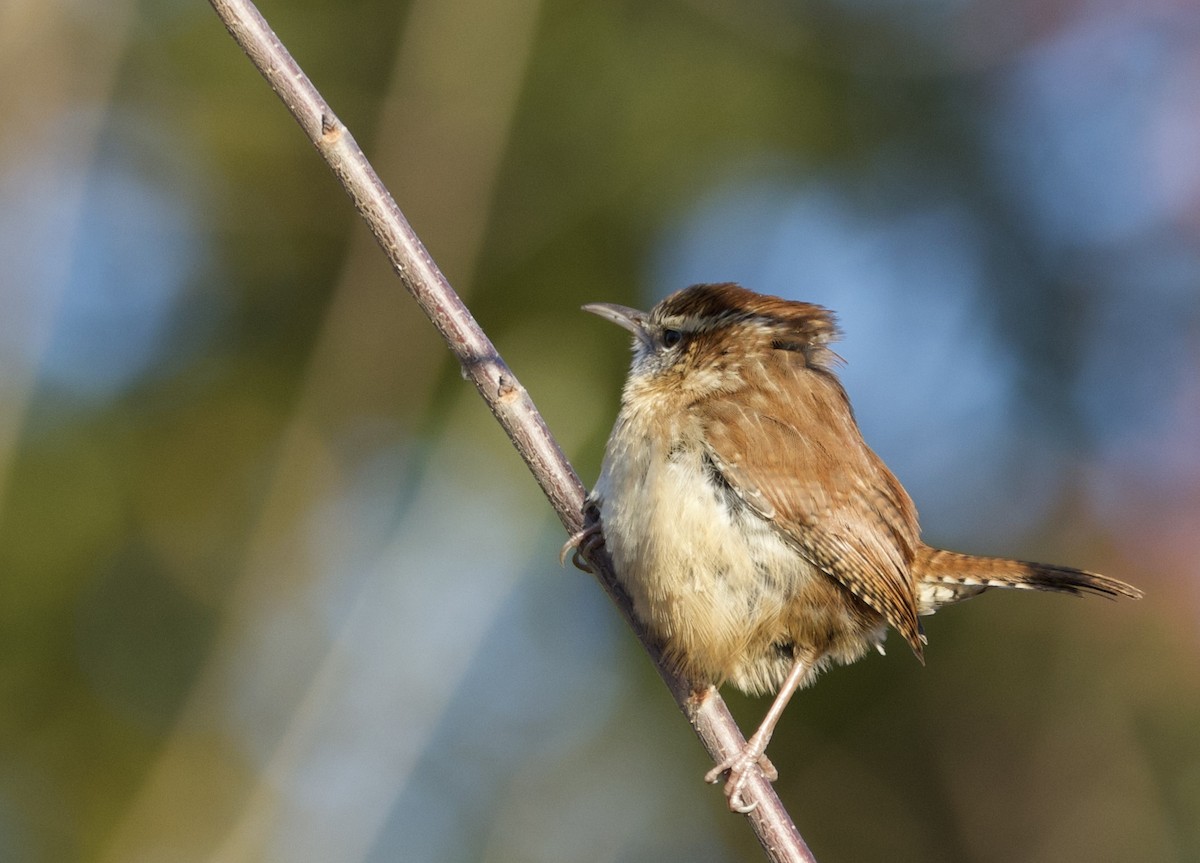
(273, 585)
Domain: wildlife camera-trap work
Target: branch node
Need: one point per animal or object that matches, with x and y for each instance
(506, 389)
(331, 129)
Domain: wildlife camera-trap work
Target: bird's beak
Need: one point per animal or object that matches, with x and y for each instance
(622, 316)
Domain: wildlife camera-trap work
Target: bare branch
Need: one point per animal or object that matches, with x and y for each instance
(503, 393)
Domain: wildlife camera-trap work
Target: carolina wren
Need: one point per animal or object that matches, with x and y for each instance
(758, 536)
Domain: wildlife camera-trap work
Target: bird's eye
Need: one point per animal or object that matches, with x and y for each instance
(670, 338)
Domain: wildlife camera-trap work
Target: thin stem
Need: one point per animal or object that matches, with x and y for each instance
(503, 393)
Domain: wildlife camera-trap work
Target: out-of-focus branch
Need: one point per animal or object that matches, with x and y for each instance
(503, 393)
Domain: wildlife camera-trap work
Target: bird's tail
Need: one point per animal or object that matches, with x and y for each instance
(945, 577)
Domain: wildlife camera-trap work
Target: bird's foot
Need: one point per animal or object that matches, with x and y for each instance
(740, 767)
(582, 545)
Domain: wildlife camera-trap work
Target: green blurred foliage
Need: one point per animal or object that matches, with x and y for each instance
(132, 524)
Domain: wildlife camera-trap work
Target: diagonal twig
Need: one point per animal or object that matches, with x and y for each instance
(503, 393)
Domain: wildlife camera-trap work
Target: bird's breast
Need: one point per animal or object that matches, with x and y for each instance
(714, 582)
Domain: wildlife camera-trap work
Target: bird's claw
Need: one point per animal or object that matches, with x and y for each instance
(582, 544)
(740, 767)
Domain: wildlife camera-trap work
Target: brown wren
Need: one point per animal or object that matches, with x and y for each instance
(758, 536)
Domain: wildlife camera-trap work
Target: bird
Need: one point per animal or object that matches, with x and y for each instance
(758, 536)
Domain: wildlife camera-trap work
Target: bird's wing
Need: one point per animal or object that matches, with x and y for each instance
(823, 489)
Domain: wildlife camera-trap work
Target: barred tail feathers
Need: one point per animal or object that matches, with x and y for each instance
(945, 577)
